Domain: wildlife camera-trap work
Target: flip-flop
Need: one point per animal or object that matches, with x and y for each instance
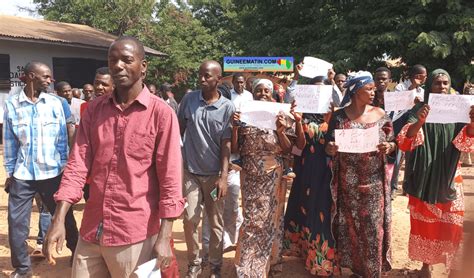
(37, 253)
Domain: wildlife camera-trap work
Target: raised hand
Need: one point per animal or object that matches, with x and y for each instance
(296, 115)
(422, 114)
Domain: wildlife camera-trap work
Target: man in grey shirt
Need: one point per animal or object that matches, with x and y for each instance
(204, 119)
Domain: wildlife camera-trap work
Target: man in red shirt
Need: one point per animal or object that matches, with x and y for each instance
(134, 168)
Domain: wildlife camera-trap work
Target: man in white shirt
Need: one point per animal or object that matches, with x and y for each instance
(416, 78)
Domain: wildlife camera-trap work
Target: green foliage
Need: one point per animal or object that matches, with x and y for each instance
(359, 34)
(187, 42)
(353, 34)
(115, 17)
(170, 28)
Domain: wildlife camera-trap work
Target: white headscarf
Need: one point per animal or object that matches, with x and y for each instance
(266, 82)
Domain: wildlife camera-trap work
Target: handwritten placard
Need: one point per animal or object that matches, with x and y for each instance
(396, 101)
(445, 109)
(313, 98)
(313, 67)
(262, 114)
(357, 140)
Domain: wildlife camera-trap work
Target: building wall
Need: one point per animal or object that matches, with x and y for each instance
(23, 52)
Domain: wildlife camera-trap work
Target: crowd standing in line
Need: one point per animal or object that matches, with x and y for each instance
(141, 161)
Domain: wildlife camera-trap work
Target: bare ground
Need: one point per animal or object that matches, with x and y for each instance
(293, 267)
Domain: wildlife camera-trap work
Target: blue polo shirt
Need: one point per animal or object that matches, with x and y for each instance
(205, 128)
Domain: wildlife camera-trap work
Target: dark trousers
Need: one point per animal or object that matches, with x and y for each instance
(396, 169)
(44, 219)
(20, 200)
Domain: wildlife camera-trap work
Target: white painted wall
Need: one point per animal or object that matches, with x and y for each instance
(23, 52)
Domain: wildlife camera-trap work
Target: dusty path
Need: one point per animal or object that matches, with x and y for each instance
(293, 267)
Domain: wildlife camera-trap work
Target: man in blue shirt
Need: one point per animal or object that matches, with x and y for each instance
(35, 153)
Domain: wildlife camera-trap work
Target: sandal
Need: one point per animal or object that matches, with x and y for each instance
(38, 252)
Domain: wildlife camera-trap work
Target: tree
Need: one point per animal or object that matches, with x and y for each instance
(220, 17)
(115, 17)
(361, 34)
(170, 28)
(187, 42)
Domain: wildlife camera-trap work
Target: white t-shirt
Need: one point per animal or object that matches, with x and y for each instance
(76, 109)
(404, 86)
(237, 100)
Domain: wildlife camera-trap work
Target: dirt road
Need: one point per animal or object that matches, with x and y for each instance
(293, 267)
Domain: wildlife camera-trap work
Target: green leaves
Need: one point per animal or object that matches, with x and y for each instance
(352, 34)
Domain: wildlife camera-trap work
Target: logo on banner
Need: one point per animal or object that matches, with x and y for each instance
(258, 64)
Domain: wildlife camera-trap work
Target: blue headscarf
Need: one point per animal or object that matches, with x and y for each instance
(355, 82)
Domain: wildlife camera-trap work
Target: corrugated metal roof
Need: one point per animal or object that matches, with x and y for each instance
(20, 28)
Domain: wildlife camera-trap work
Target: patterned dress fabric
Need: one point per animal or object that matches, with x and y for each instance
(308, 214)
(361, 213)
(263, 198)
(436, 229)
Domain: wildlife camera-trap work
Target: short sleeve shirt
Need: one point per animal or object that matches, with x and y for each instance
(206, 125)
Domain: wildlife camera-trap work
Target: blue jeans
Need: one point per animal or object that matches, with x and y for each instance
(19, 213)
(44, 219)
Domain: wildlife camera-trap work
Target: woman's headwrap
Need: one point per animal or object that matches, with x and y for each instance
(355, 82)
(266, 82)
(429, 82)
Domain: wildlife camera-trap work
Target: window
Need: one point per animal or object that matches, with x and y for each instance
(76, 71)
(4, 72)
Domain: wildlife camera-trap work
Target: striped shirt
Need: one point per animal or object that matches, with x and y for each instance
(35, 137)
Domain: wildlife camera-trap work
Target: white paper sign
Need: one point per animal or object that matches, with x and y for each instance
(313, 98)
(147, 270)
(313, 67)
(396, 101)
(262, 114)
(357, 140)
(445, 109)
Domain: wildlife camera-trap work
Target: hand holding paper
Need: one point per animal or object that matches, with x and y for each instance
(313, 67)
(262, 114)
(313, 98)
(397, 101)
(422, 114)
(357, 140)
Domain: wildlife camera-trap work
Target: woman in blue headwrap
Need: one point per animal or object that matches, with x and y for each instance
(361, 213)
(433, 181)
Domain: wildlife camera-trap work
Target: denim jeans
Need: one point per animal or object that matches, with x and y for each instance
(20, 199)
(44, 219)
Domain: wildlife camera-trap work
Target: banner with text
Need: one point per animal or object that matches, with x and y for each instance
(258, 64)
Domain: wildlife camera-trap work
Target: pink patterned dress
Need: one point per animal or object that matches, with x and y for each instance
(361, 213)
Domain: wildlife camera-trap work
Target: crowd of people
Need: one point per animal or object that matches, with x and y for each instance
(141, 162)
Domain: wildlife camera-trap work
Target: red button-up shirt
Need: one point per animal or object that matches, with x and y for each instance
(132, 159)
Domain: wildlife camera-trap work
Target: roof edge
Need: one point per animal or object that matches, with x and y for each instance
(148, 50)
